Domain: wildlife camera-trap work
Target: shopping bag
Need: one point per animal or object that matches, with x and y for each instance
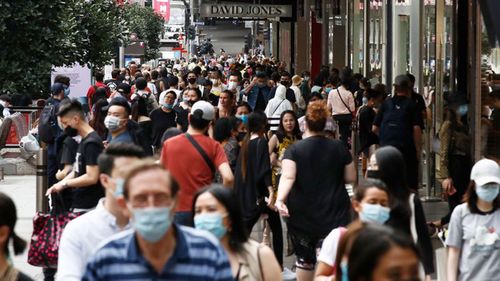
(47, 231)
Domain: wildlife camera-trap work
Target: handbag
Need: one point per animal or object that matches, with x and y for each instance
(354, 124)
(47, 231)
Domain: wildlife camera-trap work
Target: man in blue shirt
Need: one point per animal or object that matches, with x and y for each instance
(258, 92)
(156, 249)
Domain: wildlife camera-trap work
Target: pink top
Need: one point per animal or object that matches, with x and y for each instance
(335, 103)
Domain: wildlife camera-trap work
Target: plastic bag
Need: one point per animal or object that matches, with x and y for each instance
(29, 144)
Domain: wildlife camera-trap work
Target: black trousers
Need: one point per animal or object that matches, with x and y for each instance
(275, 225)
(345, 122)
(459, 168)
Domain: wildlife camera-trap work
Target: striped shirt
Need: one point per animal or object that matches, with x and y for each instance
(197, 256)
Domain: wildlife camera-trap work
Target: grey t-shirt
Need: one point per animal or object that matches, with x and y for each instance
(478, 236)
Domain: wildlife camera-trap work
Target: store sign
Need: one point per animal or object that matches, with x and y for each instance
(244, 10)
(162, 7)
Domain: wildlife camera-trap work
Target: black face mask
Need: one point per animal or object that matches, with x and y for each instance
(373, 174)
(192, 80)
(241, 136)
(71, 132)
(284, 83)
(190, 103)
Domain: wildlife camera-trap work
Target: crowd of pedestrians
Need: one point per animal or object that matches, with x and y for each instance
(170, 168)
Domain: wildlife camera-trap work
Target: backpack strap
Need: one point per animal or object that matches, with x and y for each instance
(202, 152)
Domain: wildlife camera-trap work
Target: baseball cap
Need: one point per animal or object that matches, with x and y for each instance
(123, 88)
(206, 108)
(485, 171)
(402, 81)
(56, 88)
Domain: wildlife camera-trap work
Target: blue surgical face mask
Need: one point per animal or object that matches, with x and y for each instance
(151, 223)
(243, 118)
(463, 109)
(212, 223)
(119, 182)
(327, 90)
(168, 106)
(374, 213)
(66, 92)
(345, 271)
(365, 100)
(488, 192)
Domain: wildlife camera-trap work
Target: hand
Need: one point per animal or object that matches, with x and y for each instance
(447, 185)
(282, 208)
(58, 187)
(271, 201)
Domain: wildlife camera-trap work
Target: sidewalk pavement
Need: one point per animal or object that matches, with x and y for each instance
(22, 189)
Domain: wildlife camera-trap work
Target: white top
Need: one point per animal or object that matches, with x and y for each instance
(81, 238)
(278, 104)
(329, 248)
(336, 99)
(298, 97)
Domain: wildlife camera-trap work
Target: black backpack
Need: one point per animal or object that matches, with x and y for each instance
(47, 127)
(395, 128)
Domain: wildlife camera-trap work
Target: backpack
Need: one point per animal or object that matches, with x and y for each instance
(395, 128)
(47, 127)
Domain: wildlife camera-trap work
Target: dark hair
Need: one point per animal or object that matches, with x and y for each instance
(106, 160)
(99, 112)
(261, 74)
(237, 74)
(9, 218)
(120, 101)
(170, 92)
(316, 115)
(196, 120)
(364, 185)
(141, 83)
(281, 130)
(365, 82)
(372, 94)
(170, 133)
(197, 91)
(63, 79)
(173, 80)
(148, 165)
(139, 108)
(154, 74)
(370, 245)
(115, 73)
(245, 104)
(99, 94)
(99, 76)
(470, 197)
(315, 95)
(73, 107)
(411, 77)
(237, 233)
(138, 75)
(257, 122)
(222, 129)
(285, 73)
(230, 94)
(345, 243)
(392, 171)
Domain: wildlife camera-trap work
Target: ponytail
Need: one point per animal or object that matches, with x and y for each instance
(19, 244)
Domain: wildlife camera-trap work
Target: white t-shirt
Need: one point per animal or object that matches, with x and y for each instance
(330, 245)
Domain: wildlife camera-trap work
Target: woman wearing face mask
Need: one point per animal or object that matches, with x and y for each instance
(216, 210)
(253, 181)
(407, 214)
(380, 253)
(163, 118)
(474, 230)
(242, 111)
(8, 220)
(371, 204)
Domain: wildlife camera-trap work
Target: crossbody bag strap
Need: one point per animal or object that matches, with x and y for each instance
(277, 107)
(202, 152)
(346, 106)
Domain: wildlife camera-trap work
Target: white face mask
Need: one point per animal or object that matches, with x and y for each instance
(232, 85)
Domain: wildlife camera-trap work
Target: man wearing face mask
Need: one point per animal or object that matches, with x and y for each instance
(190, 97)
(122, 129)
(84, 179)
(164, 117)
(82, 236)
(192, 81)
(258, 92)
(157, 249)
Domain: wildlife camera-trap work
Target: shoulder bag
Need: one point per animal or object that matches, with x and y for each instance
(202, 152)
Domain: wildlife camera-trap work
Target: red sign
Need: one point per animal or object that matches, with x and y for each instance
(162, 7)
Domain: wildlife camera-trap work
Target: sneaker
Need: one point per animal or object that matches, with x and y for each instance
(288, 275)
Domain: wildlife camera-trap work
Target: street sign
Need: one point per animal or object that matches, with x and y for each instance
(199, 23)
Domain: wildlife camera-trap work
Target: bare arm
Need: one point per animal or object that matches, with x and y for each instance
(289, 172)
(417, 138)
(350, 173)
(64, 172)
(323, 272)
(270, 268)
(273, 142)
(88, 179)
(227, 175)
(375, 130)
(452, 263)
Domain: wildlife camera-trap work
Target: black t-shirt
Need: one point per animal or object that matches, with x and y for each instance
(161, 122)
(112, 83)
(69, 150)
(366, 136)
(419, 104)
(260, 104)
(318, 201)
(182, 117)
(88, 150)
(495, 118)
